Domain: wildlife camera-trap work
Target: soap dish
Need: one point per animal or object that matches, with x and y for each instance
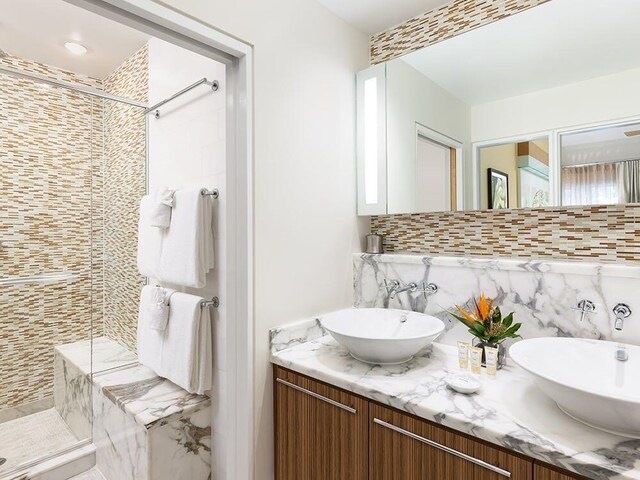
(463, 383)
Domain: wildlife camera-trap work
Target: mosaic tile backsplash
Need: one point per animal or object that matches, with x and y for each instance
(599, 232)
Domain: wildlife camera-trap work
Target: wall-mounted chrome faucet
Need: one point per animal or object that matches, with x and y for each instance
(394, 287)
(585, 307)
(621, 311)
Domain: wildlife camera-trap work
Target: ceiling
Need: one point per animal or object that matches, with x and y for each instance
(375, 16)
(557, 43)
(37, 30)
(600, 135)
(602, 145)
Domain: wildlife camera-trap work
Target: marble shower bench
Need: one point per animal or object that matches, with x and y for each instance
(144, 426)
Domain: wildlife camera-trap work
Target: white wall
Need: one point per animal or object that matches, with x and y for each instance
(305, 60)
(187, 149)
(606, 98)
(413, 98)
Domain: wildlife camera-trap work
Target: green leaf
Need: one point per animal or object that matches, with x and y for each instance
(479, 327)
(497, 315)
(460, 319)
(476, 334)
(508, 320)
(511, 332)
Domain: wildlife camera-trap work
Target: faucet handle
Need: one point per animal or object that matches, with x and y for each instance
(391, 285)
(585, 307)
(428, 289)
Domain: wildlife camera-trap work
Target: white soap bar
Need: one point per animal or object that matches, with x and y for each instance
(463, 383)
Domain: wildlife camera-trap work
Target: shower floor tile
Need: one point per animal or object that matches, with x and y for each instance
(32, 437)
(93, 474)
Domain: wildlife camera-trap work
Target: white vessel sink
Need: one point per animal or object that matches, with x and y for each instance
(382, 336)
(586, 380)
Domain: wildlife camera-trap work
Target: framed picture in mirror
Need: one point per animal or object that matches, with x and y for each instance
(498, 188)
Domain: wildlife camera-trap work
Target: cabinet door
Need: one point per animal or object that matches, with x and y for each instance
(403, 447)
(321, 433)
(541, 472)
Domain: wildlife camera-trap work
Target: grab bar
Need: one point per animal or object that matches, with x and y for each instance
(46, 278)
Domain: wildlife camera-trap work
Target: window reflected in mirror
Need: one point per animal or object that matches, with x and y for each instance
(601, 166)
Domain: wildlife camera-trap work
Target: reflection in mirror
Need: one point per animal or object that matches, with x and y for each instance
(515, 175)
(526, 102)
(435, 167)
(601, 166)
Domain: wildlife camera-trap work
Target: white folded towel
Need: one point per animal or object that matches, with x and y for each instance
(160, 210)
(156, 308)
(187, 246)
(149, 241)
(182, 352)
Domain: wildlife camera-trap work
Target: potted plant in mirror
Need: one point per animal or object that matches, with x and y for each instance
(488, 327)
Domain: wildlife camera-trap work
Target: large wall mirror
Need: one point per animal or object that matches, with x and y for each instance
(539, 109)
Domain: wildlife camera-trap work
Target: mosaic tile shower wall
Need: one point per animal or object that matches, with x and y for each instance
(603, 232)
(125, 184)
(49, 149)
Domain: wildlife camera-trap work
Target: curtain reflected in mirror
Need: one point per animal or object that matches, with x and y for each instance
(601, 166)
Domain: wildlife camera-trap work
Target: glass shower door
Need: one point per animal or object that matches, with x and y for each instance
(50, 266)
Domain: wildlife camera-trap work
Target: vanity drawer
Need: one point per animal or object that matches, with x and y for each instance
(321, 432)
(404, 447)
(543, 472)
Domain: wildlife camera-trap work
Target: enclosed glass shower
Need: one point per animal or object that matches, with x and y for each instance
(72, 172)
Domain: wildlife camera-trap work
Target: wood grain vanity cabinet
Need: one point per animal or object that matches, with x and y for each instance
(542, 472)
(405, 447)
(325, 433)
(321, 432)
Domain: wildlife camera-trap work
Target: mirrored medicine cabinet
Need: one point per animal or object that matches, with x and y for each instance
(538, 109)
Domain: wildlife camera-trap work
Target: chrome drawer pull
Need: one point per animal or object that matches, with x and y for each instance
(315, 395)
(444, 448)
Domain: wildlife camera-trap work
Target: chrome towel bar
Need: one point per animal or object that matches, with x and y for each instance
(214, 193)
(214, 302)
(203, 81)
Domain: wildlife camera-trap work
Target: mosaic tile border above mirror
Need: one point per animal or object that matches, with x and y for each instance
(449, 20)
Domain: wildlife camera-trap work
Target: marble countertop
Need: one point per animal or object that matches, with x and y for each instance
(508, 410)
(137, 390)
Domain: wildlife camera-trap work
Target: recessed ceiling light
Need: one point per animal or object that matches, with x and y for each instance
(75, 48)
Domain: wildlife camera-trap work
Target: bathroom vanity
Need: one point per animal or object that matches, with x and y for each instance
(337, 417)
(324, 432)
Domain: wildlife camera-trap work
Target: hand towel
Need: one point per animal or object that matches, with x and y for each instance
(182, 352)
(149, 241)
(156, 308)
(160, 210)
(187, 246)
